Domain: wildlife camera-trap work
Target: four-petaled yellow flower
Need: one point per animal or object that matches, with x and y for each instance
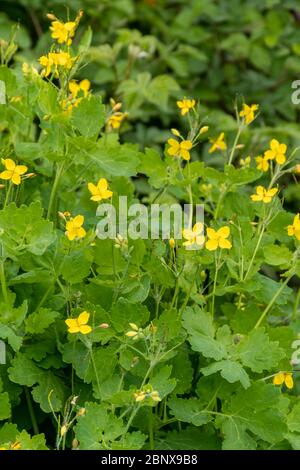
(262, 163)
(100, 191)
(218, 143)
(248, 112)
(194, 236)
(55, 60)
(245, 162)
(180, 149)
(263, 194)
(83, 86)
(277, 151)
(74, 229)
(284, 378)
(63, 32)
(115, 120)
(218, 239)
(185, 105)
(13, 172)
(294, 229)
(79, 324)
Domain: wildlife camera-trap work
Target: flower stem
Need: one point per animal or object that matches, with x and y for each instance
(31, 411)
(271, 303)
(235, 144)
(54, 190)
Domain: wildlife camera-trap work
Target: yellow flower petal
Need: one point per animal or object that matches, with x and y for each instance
(223, 232)
(288, 380)
(278, 379)
(83, 318)
(16, 178)
(6, 175)
(78, 221)
(9, 164)
(211, 245)
(85, 329)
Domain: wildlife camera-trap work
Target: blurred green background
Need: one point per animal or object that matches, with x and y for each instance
(148, 53)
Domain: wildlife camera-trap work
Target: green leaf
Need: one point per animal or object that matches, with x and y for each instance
(259, 353)
(23, 371)
(8, 433)
(131, 441)
(23, 228)
(154, 167)
(76, 266)
(200, 328)
(32, 443)
(39, 321)
(124, 312)
(13, 340)
(50, 389)
(189, 410)
(293, 419)
(230, 370)
(5, 408)
(89, 116)
(162, 383)
(97, 428)
(190, 438)
(278, 255)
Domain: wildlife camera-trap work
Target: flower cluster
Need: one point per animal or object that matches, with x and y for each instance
(54, 62)
(146, 392)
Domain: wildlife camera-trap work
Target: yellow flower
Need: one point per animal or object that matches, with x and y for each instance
(277, 151)
(218, 143)
(172, 243)
(248, 112)
(218, 238)
(79, 324)
(83, 86)
(245, 162)
(297, 169)
(74, 228)
(180, 149)
(139, 396)
(185, 105)
(262, 163)
(135, 332)
(263, 194)
(203, 130)
(194, 236)
(15, 445)
(63, 32)
(54, 60)
(63, 430)
(155, 396)
(100, 191)
(284, 377)
(294, 230)
(13, 172)
(116, 119)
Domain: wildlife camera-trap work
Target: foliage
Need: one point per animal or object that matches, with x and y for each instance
(130, 344)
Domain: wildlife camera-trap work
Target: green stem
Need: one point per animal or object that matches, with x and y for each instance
(3, 283)
(271, 303)
(7, 194)
(255, 251)
(235, 144)
(31, 411)
(217, 262)
(54, 189)
(95, 370)
(151, 431)
(296, 304)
